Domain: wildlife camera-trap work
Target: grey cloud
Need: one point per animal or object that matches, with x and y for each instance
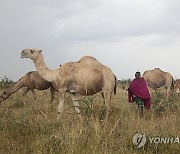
(115, 32)
(121, 19)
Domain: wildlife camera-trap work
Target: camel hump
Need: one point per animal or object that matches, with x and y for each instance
(87, 58)
(153, 71)
(25, 76)
(89, 61)
(157, 70)
(28, 75)
(163, 73)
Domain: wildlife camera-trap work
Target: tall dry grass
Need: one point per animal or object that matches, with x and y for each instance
(28, 126)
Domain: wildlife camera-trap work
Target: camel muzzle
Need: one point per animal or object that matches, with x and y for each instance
(23, 55)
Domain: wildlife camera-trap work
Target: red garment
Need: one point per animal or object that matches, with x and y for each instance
(138, 88)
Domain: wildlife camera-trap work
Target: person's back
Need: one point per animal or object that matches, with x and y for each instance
(138, 91)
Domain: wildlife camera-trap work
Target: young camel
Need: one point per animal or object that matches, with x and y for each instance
(85, 77)
(32, 80)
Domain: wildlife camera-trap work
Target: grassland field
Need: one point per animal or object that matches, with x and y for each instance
(31, 126)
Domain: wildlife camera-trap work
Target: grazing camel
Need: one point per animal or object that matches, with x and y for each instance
(32, 80)
(177, 86)
(85, 77)
(157, 78)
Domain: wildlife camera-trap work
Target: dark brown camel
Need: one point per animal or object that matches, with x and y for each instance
(32, 80)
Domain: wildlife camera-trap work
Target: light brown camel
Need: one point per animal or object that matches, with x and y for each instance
(157, 78)
(177, 86)
(85, 77)
(32, 80)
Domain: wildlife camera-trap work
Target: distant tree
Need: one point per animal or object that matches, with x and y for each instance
(6, 82)
(125, 83)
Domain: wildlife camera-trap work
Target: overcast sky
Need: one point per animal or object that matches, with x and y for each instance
(125, 35)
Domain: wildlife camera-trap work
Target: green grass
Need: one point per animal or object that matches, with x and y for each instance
(28, 126)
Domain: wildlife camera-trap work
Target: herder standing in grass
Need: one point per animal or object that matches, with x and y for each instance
(138, 92)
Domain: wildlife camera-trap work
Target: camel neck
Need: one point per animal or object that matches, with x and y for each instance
(17, 86)
(43, 71)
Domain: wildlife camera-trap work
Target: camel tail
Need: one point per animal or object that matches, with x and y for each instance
(173, 83)
(115, 85)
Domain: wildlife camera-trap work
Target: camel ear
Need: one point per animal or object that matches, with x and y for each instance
(32, 51)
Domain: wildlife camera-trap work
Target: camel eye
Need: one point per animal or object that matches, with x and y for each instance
(32, 51)
(4, 93)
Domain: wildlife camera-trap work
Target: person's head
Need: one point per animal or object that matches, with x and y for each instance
(138, 74)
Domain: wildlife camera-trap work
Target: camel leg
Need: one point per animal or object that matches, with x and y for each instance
(34, 95)
(76, 104)
(52, 94)
(167, 95)
(142, 112)
(170, 91)
(102, 94)
(61, 104)
(107, 97)
(25, 92)
(168, 88)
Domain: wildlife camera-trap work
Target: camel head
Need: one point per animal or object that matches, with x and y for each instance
(30, 53)
(4, 95)
(176, 89)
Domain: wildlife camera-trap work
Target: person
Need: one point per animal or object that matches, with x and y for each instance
(138, 92)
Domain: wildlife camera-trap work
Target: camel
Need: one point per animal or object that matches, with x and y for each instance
(32, 80)
(157, 78)
(177, 86)
(84, 77)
